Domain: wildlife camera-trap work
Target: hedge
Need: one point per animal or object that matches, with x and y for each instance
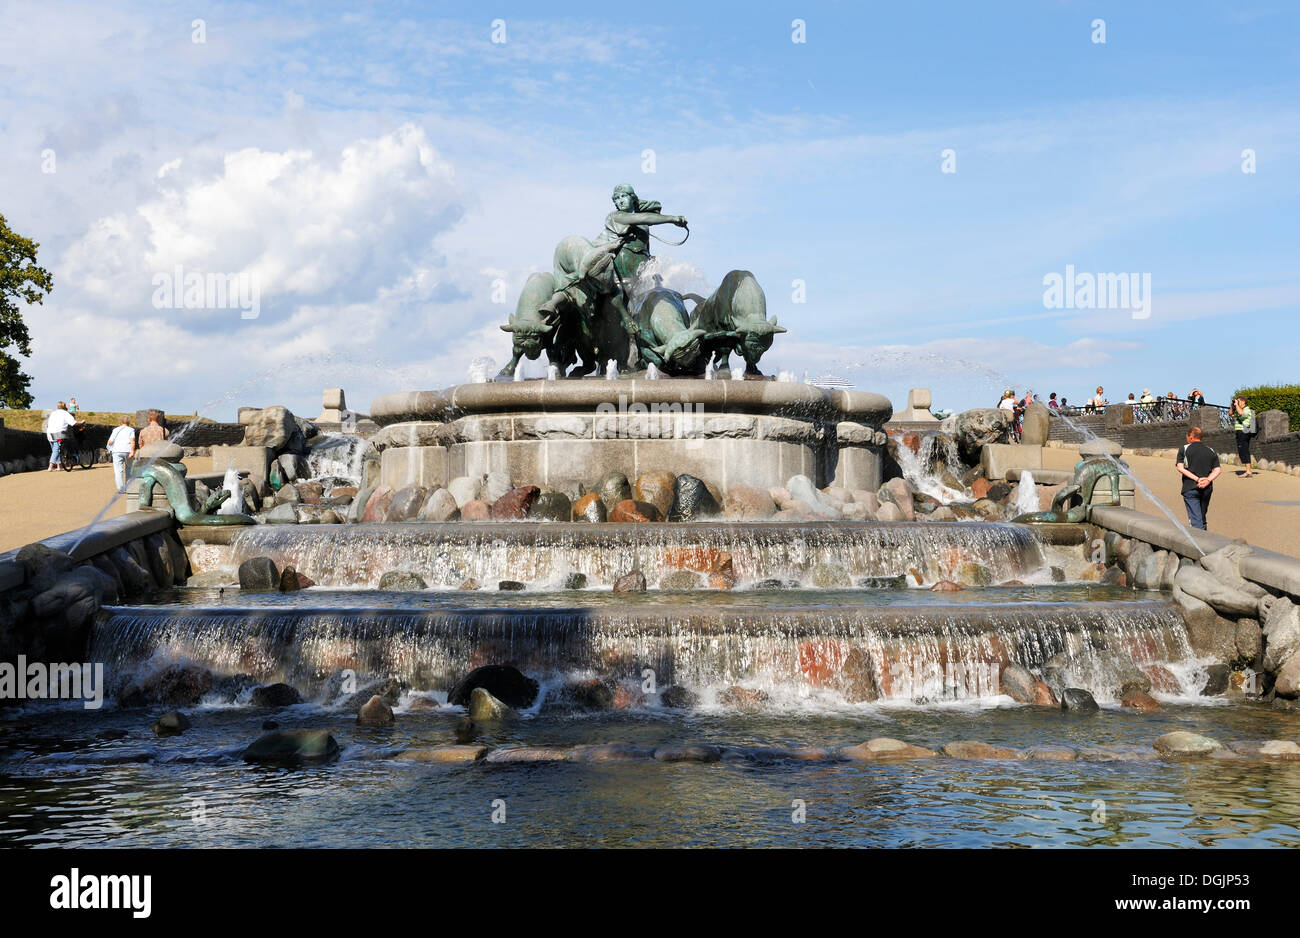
(1283, 397)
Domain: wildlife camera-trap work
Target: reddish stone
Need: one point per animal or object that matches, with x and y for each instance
(628, 696)
(698, 559)
(1162, 679)
(633, 582)
(475, 510)
(633, 511)
(980, 487)
(916, 575)
(1043, 696)
(1139, 702)
(818, 661)
(377, 504)
(913, 442)
(580, 506)
(514, 504)
(722, 581)
(656, 487)
(742, 698)
(344, 491)
(947, 586)
(723, 575)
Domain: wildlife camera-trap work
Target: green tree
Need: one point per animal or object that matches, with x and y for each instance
(20, 279)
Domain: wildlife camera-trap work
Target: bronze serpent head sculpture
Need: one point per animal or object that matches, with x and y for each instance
(171, 477)
(1087, 473)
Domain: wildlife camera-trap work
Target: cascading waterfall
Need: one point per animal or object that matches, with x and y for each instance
(919, 468)
(864, 653)
(446, 555)
(336, 456)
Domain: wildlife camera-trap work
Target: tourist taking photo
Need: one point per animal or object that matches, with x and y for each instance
(1243, 422)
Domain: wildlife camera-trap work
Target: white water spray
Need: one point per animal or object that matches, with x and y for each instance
(234, 505)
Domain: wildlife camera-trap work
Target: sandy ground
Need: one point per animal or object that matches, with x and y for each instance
(36, 505)
(1265, 509)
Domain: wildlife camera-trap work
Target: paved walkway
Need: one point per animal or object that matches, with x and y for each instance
(37, 505)
(1264, 509)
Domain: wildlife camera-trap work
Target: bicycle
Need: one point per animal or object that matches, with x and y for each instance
(76, 450)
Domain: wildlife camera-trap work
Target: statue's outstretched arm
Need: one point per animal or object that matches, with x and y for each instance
(646, 218)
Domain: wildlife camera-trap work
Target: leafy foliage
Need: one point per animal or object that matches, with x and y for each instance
(20, 280)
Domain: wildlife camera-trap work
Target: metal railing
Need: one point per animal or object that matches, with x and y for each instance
(1161, 410)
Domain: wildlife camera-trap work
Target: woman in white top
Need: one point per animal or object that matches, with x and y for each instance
(121, 443)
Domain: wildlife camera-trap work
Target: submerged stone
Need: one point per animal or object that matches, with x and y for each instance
(444, 754)
(375, 712)
(1078, 700)
(973, 749)
(1183, 743)
(402, 581)
(885, 749)
(688, 753)
(276, 695)
(677, 697)
(505, 683)
(484, 708)
(293, 746)
(172, 723)
(258, 573)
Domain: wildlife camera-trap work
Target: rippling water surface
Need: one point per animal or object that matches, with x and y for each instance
(194, 791)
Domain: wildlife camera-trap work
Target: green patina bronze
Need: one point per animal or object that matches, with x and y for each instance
(171, 478)
(1087, 473)
(597, 305)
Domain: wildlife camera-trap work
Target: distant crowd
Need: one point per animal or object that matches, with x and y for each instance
(1150, 406)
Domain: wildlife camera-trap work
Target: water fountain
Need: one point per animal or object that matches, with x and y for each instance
(754, 640)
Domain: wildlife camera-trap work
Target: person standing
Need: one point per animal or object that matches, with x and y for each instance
(121, 443)
(1198, 464)
(72, 406)
(1243, 421)
(154, 432)
(58, 430)
(1051, 402)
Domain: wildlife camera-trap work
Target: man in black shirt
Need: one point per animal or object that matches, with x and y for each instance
(1198, 464)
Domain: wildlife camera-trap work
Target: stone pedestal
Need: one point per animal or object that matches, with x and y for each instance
(757, 433)
(997, 458)
(415, 465)
(255, 461)
(918, 408)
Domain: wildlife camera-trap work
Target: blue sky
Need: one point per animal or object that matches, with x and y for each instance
(380, 167)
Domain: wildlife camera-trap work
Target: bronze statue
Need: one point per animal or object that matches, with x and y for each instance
(1087, 473)
(171, 477)
(584, 313)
